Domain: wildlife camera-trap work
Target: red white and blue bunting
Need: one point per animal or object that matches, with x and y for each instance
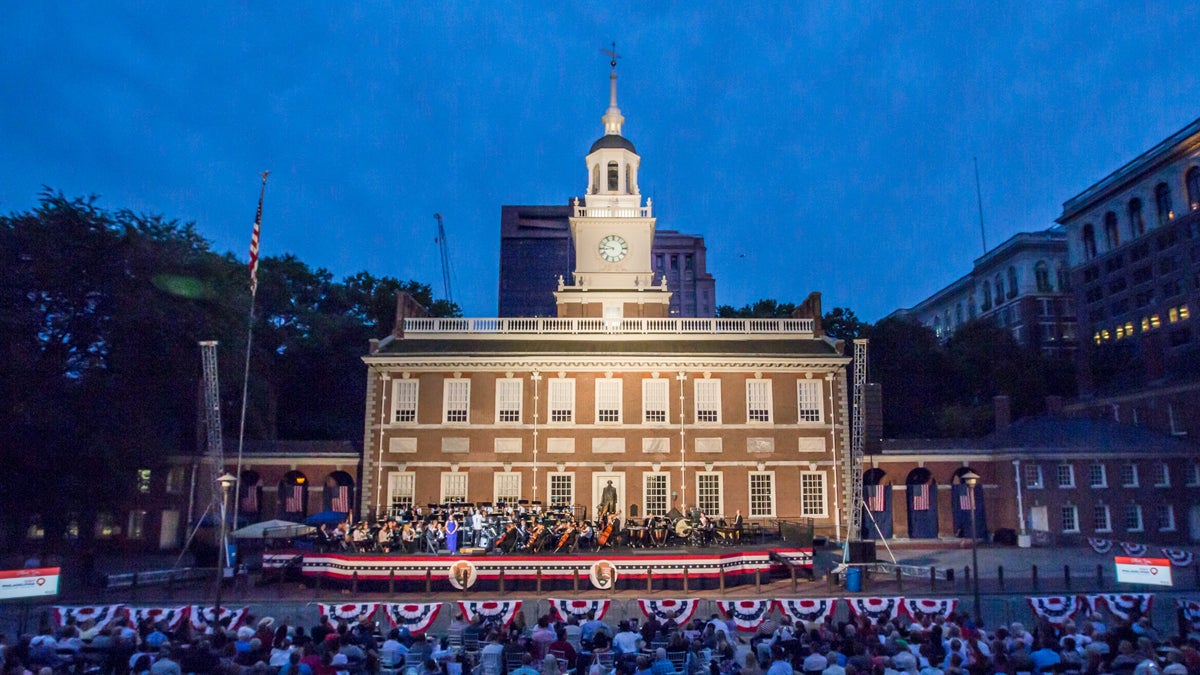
(807, 611)
(877, 610)
(202, 617)
(934, 608)
(680, 610)
(565, 609)
(747, 615)
(417, 617)
(1100, 546)
(99, 614)
(1123, 605)
(1190, 609)
(1179, 558)
(172, 616)
(1056, 609)
(1135, 550)
(332, 613)
(492, 611)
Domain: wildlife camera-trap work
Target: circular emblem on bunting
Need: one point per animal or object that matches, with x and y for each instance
(463, 574)
(603, 575)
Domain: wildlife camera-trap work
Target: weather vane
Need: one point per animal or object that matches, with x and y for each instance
(612, 54)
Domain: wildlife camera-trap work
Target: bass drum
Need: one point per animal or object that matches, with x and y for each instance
(683, 529)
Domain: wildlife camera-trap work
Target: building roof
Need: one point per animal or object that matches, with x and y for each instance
(306, 448)
(612, 141)
(1049, 434)
(671, 346)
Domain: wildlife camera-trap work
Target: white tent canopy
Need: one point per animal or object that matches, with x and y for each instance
(273, 529)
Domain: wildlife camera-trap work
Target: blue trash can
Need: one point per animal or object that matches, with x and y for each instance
(854, 580)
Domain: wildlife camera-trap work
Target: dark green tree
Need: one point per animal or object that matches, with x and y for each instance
(762, 309)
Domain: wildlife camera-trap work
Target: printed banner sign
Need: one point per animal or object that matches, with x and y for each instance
(1153, 571)
(28, 583)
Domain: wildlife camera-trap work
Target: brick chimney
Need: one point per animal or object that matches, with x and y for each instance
(811, 309)
(1003, 412)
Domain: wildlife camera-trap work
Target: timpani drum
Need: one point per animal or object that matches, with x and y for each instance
(658, 531)
(637, 536)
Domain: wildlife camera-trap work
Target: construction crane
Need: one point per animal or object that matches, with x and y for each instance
(444, 247)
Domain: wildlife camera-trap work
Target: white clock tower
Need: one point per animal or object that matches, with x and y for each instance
(613, 234)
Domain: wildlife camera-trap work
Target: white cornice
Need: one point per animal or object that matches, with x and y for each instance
(602, 363)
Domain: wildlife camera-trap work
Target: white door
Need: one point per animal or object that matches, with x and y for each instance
(168, 534)
(1039, 520)
(600, 481)
(1194, 523)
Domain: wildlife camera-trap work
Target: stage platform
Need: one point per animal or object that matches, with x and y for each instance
(650, 569)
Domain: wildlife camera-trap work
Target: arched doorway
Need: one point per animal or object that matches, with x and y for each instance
(877, 505)
(964, 502)
(293, 496)
(250, 496)
(921, 499)
(339, 492)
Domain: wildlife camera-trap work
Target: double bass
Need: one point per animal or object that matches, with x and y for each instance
(610, 524)
(566, 535)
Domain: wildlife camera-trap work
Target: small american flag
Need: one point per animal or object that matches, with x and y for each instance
(250, 499)
(875, 498)
(255, 236)
(966, 500)
(920, 500)
(341, 499)
(294, 500)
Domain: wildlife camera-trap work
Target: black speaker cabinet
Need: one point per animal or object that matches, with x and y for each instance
(862, 552)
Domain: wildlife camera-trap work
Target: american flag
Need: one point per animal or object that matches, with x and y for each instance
(250, 499)
(966, 500)
(293, 501)
(254, 237)
(341, 499)
(920, 500)
(875, 498)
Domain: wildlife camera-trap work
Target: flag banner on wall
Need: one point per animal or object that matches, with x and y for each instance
(1122, 605)
(341, 499)
(747, 615)
(1134, 550)
(565, 609)
(99, 614)
(877, 610)
(934, 608)
(1191, 612)
(332, 612)
(680, 610)
(250, 499)
(417, 617)
(1179, 558)
(874, 496)
(920, 496)
(293, 501)
(808, 611)
(202, 617)
(172, 616)
(1055, 608)
(492, 611)
(1100, 546)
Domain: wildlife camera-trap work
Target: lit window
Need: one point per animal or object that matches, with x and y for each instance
(654, 401)
(562, 400)
(1065, 475)
(1101, 516)
(508, 400)
(708, 492)
(404, 401)
(809, 397)
(1097, 477)
(1120, 332)
(456, 402)
(1033, 476)
(137, 525)
(507, 485)
(762, 495)
(1070, 518)
(1162, 204)
(656, 488)
(1129, 475)
(143, 481)
(1165, 514)
(812, 494)
(608, 401)
(1133, 518)
(1183, 312)
(401, 490)
(708, 401)
(1192, 181)
(1162, 475)
(106, 526)
(454, 486)
(562, 489)
(1173, 315)
(1145, 324)
(1155, 322)
(758, 400)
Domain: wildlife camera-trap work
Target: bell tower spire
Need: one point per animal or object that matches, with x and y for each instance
(612, 117)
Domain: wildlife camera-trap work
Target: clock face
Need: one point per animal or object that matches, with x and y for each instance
(613, 248)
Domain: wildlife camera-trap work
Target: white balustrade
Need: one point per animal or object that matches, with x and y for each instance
(546, 326)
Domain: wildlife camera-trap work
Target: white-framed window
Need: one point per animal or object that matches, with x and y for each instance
(1162, 475)
(1033, 476)
(708, 401)
(758, 401)
(708, 492)
(1133, 517)
(456, 401)
(1064, 475)
(656, 491)
(508, 400)
(655, 405)
(1102, 518)
(507, 485)
(562, 489)
(562, 400)
(175, 479)
(1193, 475)
(137, 524)
(608, 401)
(762, 494)
(812, 494)
(1165, 515)
(1070, 518)
(1097, 476)
(404, 401)
(809, 400)
(401, 489)
(1129, 475)
(454, 486)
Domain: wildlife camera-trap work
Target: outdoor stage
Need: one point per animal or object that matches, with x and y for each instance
(654, 569)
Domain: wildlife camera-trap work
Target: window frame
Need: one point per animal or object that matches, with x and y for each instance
(649, 404)
(1193, 475)
(649, 484)
(1107, 512)
(1162, 476)
(1092, 482)
(814, 398)
(453, 404)
(506, 399)
(610, 384)
(1070, 477)
(497, 489)
(560, 477)
(763, 397)
(1134, 509)
(405, 402)
(769, 497)
(805, 494)
(709, 398)
(1033, 482)
(720, 496)
(1167, 510)
(560, 400)
(395, 487)
(1132, 480)
(1071, 511)
(448, 480)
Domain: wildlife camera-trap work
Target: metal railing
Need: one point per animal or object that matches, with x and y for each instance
(156, 577)
(568, 326)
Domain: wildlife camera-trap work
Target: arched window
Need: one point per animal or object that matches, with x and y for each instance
(1137, 222)
(628, 179)
(1112, 238)
(1089, 241)
(999, 290)
(595, 178)
(987, 296)
(1193, 187)
(1012, 282)
(1162, 203)
(1041, 273)
(614, 176)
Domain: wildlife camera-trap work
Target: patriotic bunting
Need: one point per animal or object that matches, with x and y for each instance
(565, 609)
(99, 614)
(173, 616)
(747, 615)
(664, 609)
(877, 610)
(331, 613)
(202, 617)
(1122, 605)
(1179, 558)
(1100, 546)
(808, 611)
(492, 611)
(416, 617)
(1132, 549)
(1055, 608)
(1191, 612)
(919, 608)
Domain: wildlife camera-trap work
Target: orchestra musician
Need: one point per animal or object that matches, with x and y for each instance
(568, 536)
(587, 536)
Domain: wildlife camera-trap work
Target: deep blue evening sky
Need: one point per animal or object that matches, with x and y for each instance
(830, 145)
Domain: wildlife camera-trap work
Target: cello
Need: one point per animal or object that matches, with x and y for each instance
(566, 535)
(609, 526)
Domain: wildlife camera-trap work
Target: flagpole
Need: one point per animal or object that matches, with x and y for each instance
(237, 502)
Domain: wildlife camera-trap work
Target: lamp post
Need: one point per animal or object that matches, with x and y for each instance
(226, 481)
(971, 479)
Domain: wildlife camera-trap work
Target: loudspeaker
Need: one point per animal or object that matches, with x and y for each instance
(473, 551)
(862, 552)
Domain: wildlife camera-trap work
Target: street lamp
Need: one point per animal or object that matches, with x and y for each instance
(226, 481)
(971, 479)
